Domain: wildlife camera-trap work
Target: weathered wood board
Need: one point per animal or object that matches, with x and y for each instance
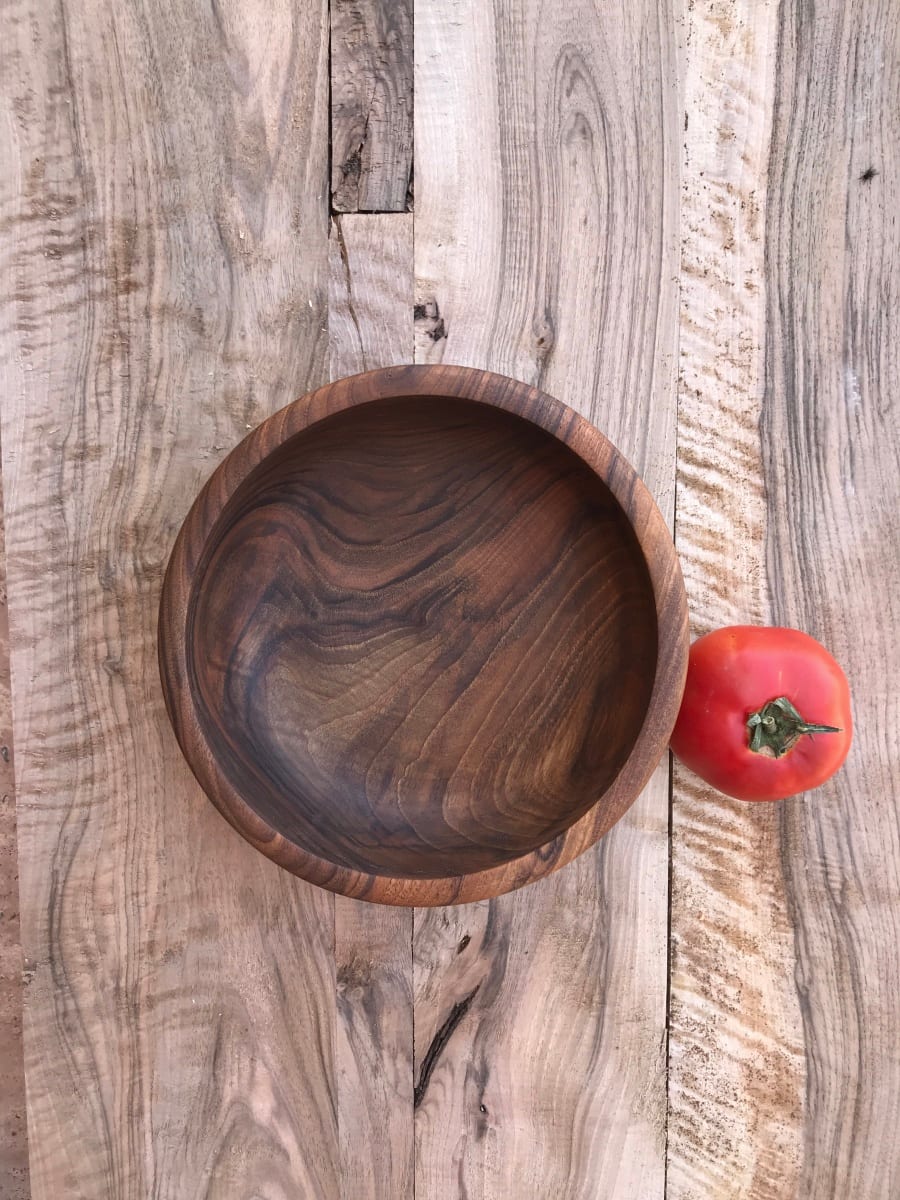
(784, 1066)
(547, 146)
(185, 253)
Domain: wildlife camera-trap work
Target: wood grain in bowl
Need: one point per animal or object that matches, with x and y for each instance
(412, 625)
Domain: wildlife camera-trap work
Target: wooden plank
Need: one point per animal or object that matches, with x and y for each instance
(371, 325)
(829, 432)
(736, 1070)
(13, 1140)
(165, 209)
(784, 1067)
(373, 1052)
(546, 248)
(371, 105)
(370, 318)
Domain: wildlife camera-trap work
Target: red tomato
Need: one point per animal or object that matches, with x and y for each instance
(765, 714)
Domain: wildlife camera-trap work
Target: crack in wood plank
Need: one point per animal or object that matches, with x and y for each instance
(439, 1043)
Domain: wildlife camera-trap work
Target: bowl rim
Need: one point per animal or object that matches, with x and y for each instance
(440, 381)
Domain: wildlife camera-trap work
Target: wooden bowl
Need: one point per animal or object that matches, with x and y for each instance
(423, 636)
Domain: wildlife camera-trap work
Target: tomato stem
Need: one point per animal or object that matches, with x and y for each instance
(777, 727)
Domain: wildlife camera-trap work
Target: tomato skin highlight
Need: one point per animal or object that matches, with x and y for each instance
(733, 673)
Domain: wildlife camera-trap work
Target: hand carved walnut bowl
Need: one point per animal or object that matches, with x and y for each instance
(423, 636)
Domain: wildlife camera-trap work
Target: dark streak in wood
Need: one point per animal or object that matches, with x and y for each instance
(428, 321)
(438, 1043)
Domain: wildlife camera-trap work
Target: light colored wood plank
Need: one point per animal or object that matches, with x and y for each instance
(13, 1136)
(371, 325)
(374, 1052)
(830, 425)
(784, 1069)
(371, 105)
(546, 247)
(166, 241)
(370, 318)
(736, 1069)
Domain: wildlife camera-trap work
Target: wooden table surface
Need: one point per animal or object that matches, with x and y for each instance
(684, 222)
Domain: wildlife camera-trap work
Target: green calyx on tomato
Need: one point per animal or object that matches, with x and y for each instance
(777, 726)
(765, 713)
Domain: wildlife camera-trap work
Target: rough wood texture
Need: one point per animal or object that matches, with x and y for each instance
(167, 269)
(736, 1073)
(374, 1049)
(546, 247)
(785, 930)
(830, 422)
(370, 325)
(165, 209)
(371, 105)
(370, 321)
(423, 635)
(13, 1140)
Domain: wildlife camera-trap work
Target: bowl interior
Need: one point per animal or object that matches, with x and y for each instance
(423, 638)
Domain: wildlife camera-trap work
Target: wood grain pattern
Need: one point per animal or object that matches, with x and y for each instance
(163, 216)
(395, 598)
(784, 1070)
(546, 247)
(829, 435)
(13, 1137)
(374, 1049)
(370, 325)
(736, 1070)
(371, 105)
(370, 320)
(165, 235)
